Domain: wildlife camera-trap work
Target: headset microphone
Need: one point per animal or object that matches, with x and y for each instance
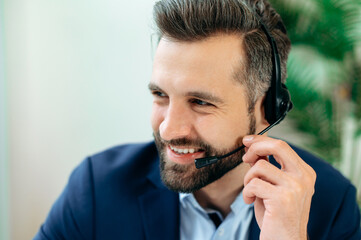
(202, 162)
(277, 101)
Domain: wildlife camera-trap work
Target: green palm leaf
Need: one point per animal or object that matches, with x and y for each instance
(323, 71)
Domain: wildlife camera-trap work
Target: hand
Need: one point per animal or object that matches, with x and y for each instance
(282, 197)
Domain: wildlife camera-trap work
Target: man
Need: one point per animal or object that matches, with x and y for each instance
(212, 69)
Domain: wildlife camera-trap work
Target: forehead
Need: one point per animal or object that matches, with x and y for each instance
(207, 64)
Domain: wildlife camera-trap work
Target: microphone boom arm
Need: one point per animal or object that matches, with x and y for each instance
(202, 162)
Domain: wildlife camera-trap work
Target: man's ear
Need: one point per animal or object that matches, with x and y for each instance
(259, 113)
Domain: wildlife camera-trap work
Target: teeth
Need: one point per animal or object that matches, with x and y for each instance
(183, 151)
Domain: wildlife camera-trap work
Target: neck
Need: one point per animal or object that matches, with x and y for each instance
(220, 194)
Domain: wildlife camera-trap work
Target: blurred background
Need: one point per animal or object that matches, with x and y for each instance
(73, 81)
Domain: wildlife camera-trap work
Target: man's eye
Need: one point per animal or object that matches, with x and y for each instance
(201, 103)
(158, 94)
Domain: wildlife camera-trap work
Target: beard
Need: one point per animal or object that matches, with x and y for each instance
(187, 178)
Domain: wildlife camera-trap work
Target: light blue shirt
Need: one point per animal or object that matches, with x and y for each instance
(196, 224)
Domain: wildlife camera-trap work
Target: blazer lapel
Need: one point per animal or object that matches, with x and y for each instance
(254, 230)
(159, 208)
(160, 214)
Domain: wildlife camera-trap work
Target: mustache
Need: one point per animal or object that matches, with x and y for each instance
(198, 143)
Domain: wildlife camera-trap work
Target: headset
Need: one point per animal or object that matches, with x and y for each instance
(277, 102)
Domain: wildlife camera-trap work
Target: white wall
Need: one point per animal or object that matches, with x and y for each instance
(76, 76)
(4, 179)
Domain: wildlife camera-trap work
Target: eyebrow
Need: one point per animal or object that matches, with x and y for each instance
(205, 96)
(154, 87)
(202, 95)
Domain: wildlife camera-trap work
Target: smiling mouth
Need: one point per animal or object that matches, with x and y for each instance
(179, 150)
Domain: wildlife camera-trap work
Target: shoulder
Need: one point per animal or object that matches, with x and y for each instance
(124, 168)
(328, 178)
(123, 152)
(125, 161)
(334, 211)
(100, 190)
(330, 183)
(120, 165)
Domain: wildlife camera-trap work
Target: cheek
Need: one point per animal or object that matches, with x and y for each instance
(238, 127)
(223, 132)
(213, 130)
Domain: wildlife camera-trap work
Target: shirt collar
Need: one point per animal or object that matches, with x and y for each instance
(237, 205)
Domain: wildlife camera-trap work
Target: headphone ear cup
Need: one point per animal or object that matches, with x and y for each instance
(277, 103)
(269, 106)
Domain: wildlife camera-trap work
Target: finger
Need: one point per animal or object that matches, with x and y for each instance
(264, 158)
(257, 188)
(266, 171)
(260, 146)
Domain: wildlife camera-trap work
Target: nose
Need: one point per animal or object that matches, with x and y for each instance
(176, 123)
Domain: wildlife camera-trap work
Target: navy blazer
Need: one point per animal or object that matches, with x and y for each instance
(118, 194)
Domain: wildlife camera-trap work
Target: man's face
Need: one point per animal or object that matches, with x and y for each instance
(199, 109)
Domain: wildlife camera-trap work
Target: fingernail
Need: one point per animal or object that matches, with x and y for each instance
(248, 138)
